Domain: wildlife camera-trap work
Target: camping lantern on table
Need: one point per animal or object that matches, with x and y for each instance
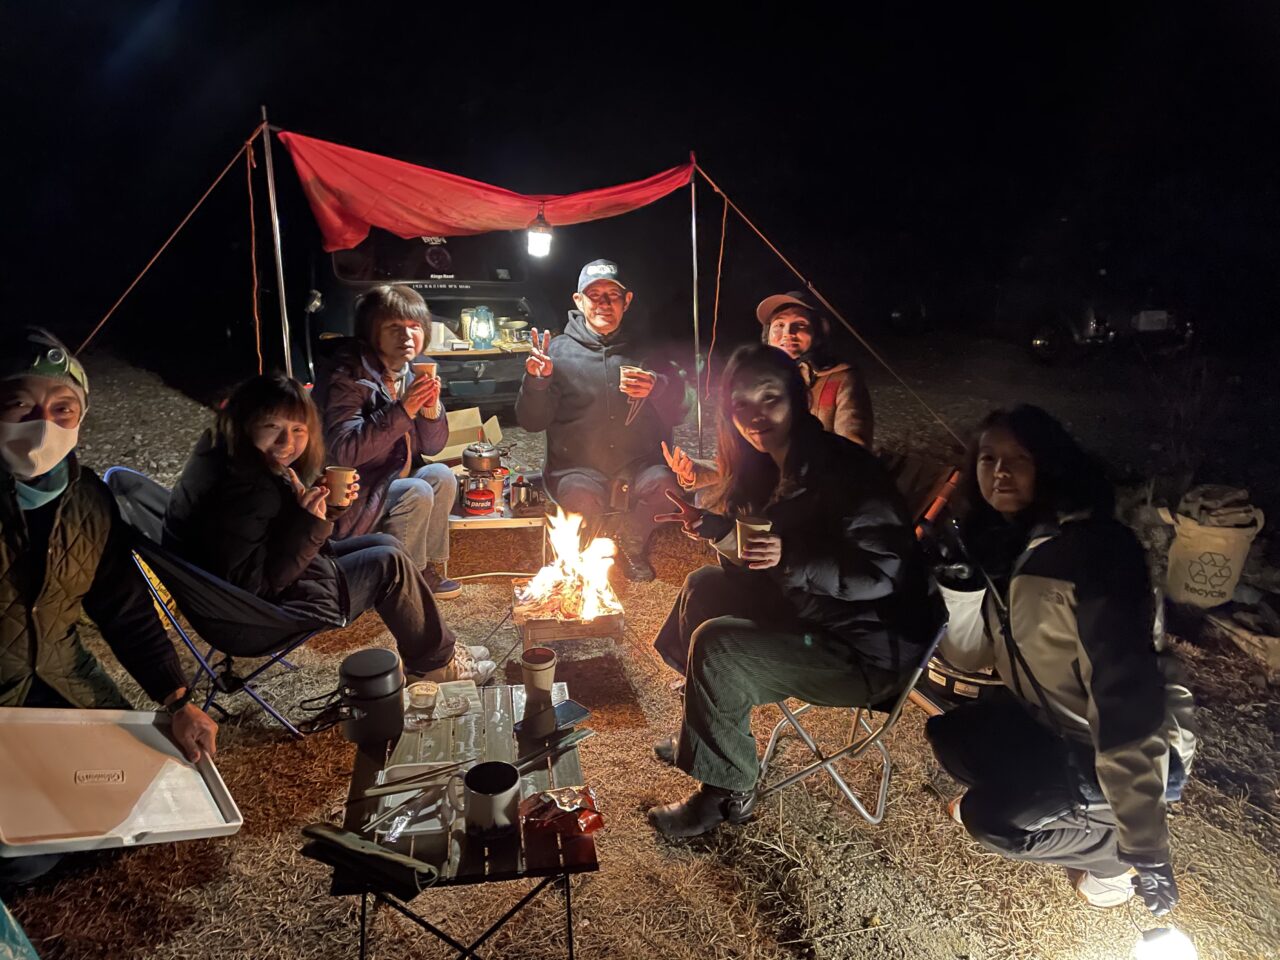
(483, 329)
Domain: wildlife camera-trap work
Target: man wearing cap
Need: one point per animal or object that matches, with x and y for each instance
(838, 394)
(606, 413)
(64, 549)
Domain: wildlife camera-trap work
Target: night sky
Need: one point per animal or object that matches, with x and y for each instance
(919, 149)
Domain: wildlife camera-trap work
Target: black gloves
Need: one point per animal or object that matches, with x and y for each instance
(1156, 887)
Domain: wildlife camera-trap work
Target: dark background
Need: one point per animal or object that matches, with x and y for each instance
(917, 150)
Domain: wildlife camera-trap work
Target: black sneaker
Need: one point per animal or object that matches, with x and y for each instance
(635, 565)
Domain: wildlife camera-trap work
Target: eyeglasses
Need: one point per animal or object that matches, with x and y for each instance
(600, 299)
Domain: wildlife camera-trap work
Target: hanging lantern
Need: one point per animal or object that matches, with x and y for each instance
(539, 236)
(1164, 943)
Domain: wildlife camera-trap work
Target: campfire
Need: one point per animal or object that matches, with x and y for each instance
(575, 585)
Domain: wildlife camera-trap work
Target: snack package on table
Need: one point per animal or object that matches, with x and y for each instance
(566, 810)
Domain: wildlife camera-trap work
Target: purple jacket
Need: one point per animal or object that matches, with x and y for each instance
(364, 428)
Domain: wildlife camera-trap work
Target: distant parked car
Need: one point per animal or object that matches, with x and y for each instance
(1060, 315)
(452, 274)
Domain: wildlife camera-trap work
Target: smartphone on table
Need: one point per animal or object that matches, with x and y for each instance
(568, 713)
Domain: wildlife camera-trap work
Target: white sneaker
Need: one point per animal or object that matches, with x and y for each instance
(478, 652)
(462, 667)
(1102, 892)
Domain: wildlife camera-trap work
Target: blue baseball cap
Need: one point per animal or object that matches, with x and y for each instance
(599, 270)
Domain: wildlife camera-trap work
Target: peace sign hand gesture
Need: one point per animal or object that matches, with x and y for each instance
(538, 363)
(688, 516)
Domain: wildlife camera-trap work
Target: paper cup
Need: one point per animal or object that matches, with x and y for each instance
(747, 526)
(336, 479)
(625, 369)
(428, 369)
(538, 665)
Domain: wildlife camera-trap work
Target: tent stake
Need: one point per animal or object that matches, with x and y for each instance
(275, 235)
(697, 346)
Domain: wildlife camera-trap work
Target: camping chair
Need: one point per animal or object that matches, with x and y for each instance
(232, 622)
(927, 489)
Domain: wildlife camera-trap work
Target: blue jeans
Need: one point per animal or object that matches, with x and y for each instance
(418, 513)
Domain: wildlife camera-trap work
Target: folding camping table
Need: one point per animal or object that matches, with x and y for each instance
(461, 858)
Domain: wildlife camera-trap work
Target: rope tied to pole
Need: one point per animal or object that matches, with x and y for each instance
(250, 163)
(715, 309)
(178, 229)
(834, 312)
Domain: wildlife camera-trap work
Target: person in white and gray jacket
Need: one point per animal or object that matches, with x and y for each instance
(1075, 767)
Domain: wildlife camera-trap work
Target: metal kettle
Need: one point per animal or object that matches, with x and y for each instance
(481, 457)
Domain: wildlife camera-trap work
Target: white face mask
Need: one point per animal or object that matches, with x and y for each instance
(34, 447)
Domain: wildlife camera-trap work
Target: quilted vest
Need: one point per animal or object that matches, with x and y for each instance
(40, 638)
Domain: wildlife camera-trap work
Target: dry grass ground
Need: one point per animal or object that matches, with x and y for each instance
(806, 879)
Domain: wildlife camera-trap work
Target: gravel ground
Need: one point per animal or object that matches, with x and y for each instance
(807, 879)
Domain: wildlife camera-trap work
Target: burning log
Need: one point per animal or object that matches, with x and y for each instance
(571, 596)
(575, 585)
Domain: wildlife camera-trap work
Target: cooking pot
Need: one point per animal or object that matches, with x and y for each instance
(370, 683)
(481, 457)
(370, 673)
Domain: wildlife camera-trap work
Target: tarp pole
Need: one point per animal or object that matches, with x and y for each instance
(275, 235)
(697, 346)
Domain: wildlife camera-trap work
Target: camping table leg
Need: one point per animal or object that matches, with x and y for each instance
(364, 928)
(568, 913)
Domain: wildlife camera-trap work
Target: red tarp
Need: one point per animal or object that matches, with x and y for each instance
(351, 190)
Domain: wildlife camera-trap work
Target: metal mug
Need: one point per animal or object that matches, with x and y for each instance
(489, 797)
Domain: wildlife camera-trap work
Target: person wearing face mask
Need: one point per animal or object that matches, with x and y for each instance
(381, 418)
(833, 604)
(837, 392)
(606, 414)
(248, 508)
(65, 551)
(1076, 765)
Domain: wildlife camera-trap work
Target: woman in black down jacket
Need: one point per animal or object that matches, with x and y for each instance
(242, 511)
(833, 605)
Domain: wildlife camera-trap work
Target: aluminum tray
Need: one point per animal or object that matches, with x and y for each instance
(96, 779)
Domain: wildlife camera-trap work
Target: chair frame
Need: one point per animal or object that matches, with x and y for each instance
(219, 669)
(862, 737)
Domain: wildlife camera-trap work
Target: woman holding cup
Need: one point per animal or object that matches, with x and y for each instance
(250, 509)
(821, 592)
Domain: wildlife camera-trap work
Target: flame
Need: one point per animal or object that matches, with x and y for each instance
(576, 582)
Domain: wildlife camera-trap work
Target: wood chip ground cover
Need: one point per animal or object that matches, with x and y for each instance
(806, 879)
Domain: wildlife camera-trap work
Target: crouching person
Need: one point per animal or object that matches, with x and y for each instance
(832, 605)
(64, 551)
(1075, 766)
(247, 509)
